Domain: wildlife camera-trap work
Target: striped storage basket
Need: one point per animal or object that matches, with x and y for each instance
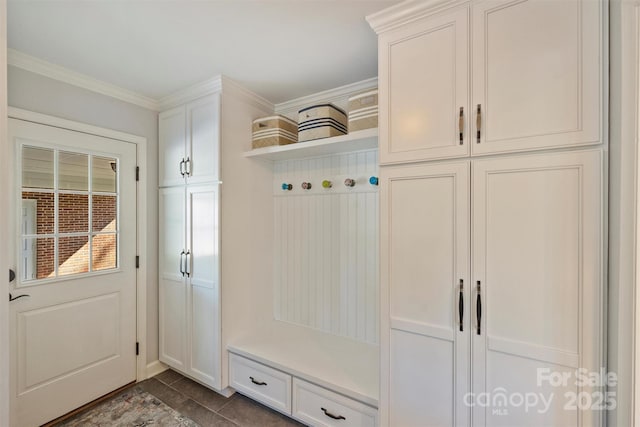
(274, 130)
(363, 111)
(321, 121)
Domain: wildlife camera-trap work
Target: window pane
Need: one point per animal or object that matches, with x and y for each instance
(37, 259)
(105, 210)
(105, 252)
(104, 175)
(37, 213)
(37, 167)
(73, 213)
(73, 171)
(73, 255)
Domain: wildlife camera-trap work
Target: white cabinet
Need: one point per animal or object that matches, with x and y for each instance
(189, 142)
(536, 71)
(425, 65)
(537, 74)
(425, 271)
(189, 281)
(532, 302)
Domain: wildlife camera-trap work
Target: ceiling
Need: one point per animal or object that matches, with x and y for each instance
(280, 49)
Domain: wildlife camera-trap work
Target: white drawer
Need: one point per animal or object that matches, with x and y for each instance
(317, 406)
(260, 382)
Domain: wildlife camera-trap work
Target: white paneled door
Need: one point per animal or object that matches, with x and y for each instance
(73, 319)
(425, 364)
(424, 89)
(537, 281)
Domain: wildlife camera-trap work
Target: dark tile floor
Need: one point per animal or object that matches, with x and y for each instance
(210, 409)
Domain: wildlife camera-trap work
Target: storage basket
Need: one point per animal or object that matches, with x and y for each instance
(274, 130)
(363, 111)
(321, 121)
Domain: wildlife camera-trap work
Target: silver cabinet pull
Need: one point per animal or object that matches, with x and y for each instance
(461, 305)
(188, 166)
(461, 125)
(187, 263)
(182, 169)
(478, 307)
(478, 123)
(182, 263)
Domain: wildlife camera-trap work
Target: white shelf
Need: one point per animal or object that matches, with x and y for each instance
(360, 140)
(340, 364)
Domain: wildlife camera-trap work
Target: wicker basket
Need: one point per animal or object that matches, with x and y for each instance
(363, 111)
(274, 130)
(321, 121)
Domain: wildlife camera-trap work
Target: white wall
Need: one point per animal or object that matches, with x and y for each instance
(622, 204)
(4, 232)
(37, 93)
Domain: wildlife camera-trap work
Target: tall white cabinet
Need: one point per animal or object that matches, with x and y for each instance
(491, 261)
(194, 137)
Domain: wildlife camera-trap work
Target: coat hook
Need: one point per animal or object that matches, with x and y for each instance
(350, 182)
(306, 186)
(326, 184)
(287, 187)
(373, 180)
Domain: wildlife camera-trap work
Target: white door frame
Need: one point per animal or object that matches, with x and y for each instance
(141, 215)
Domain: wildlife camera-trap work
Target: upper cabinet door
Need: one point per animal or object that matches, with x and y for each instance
(537, 74)
(424, 90)
(171, 153)
(203, 149)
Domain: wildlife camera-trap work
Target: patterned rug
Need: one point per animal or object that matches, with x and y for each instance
(132, 408)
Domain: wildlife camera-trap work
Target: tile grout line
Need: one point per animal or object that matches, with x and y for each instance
(201, 405)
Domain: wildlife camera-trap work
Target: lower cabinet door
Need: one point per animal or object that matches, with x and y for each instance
(261, 383)
(317, 406)
(172, 281)
(537, 271)
(426, 327)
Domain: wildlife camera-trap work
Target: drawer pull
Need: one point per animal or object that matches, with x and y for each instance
(330, 415)
(257, 382)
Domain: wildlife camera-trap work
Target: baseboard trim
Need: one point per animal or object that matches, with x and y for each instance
(155, 368)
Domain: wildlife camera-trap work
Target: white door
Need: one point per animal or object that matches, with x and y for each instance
(537, 74)
(203, 140)
(204, 284)
(425, 273)
(424, 89)
(537, 242)
(172, 137)
(172, 277)
(73, 334)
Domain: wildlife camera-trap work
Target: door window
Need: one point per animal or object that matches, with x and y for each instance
(70, 211)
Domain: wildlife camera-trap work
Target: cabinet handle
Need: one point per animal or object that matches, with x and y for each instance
(182, 167)
(257, 382)
(12, 298)
(187, 263)
(478, 307)
(182, 263)
(478, 123)
(461, 305)
(330, 415)
(188, 167)
(461, 125)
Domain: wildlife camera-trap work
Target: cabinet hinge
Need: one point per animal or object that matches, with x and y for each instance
(137, 261)
(137, 173)
(137, 349)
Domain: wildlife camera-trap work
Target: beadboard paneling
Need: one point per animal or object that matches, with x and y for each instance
(326, 245)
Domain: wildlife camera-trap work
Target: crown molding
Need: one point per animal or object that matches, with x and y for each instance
(230, 85)
(330, 95)
(191, 93)
(35, 65)
(408, 11)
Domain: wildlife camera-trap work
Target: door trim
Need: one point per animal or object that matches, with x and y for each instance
(141, 214)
